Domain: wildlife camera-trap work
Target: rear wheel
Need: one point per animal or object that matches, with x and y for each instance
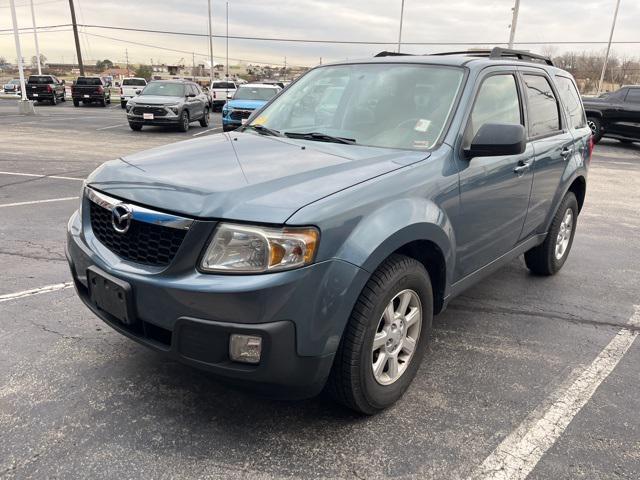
(386, 337)
(596, 128)
(103, 102)
(76, 103)
(54, 99)
(183, 125)
(135, 126)
(64, 97)
(204, 121)
(123, 104)
(549, 257)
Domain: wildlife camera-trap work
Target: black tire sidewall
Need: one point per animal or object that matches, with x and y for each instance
(568, 202)
(381, 396)
(184, 125)
(597, 135)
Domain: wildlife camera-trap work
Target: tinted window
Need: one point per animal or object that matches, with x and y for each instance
(43, 80)
(133, 82)
(164, 89)
(88, 81)
(497, 102)
(543, 110)
(571, 100)
(223, 85)
(633, 96)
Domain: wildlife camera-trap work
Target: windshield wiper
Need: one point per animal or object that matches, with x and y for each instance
(320, 137)
(264, 130)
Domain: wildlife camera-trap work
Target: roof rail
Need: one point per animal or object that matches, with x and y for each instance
(499, 52)
(391, 54)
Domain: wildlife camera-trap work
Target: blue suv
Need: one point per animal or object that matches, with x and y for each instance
(312, 248)
(246, 99)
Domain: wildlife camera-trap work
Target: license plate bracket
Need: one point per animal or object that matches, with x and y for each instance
(111, 295)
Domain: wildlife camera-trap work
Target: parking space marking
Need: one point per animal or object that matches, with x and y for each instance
(112, 126)
(35, 291)
(33, 202)
(520, 452)
(208, 131)
(57, 177)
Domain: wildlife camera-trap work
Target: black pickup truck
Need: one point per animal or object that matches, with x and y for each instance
(91, 89)
(616, 115)
(45, 87)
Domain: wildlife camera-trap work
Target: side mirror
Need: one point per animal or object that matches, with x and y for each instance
(138, 92)
(497, 139)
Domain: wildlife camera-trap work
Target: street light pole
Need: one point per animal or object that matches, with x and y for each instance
(77, 38)
(227, 62)
(210, 47)
(606, 57)
(35, 35)
(400, 30)
(514, 23)
(16, 37)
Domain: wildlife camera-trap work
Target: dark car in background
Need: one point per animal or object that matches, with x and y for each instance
(616, 115)
(13, 86)
(91, 90)
(46, 87)
(169, 102)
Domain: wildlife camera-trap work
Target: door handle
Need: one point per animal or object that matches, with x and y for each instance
(566, 152)
(522, 167)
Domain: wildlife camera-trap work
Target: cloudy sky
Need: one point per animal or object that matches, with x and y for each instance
(479, 21)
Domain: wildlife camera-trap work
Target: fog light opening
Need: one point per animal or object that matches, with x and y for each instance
(245, 348)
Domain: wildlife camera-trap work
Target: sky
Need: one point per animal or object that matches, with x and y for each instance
(485, 22)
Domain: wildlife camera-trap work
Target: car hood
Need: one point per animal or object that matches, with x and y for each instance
(246, 104)
(243, 176)
(156, 99)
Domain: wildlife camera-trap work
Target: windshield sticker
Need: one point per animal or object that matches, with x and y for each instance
(422, 125)
(421, 144)
(260, 120)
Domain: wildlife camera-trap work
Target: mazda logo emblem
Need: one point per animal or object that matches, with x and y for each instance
(121, 216)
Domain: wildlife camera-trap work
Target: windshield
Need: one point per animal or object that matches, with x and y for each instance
(14, 82)
(382, 105)
(88, 81)
(164, 89)
(255, 93)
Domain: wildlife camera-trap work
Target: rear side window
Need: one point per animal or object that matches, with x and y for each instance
(633, 96)
(543, 112)
(133, 82)
(571, 100)
(497, 102)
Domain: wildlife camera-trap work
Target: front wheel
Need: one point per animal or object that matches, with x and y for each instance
(386, 337)
(183, 125)
(76, 103)
(123, 104)
(549, 257)
(204, 121)
(596, 128)
(136, 127)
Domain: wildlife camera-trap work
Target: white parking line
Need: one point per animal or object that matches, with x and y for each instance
(57, 177)
(35, 291)
(521, 451)
(207, 131)
(49, 200)
(112, 126)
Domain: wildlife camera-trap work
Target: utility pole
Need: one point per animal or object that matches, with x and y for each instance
(227, 41)
(193, 65)
(606, 57)
(35, 34)
(210, 47)
(24, 106)
(514, 23)
(126, 55)
(285, 68)
(77, 38)
(400, 31)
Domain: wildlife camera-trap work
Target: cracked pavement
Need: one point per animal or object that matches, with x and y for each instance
(78, 400)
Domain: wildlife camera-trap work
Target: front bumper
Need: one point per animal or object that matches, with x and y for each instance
(189, 316)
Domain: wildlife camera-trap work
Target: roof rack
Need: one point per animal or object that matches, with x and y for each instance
(392, 54)
(499, 52)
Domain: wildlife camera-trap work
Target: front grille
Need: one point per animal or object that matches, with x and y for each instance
(145, 243)
(157, 111)
(240, 114)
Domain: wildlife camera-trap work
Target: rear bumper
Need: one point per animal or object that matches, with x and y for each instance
(91, 97)
(188, 316)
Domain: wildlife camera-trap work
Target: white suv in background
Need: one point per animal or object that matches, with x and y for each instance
(129, 88)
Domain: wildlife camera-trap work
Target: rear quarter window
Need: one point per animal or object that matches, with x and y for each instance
(571, 101)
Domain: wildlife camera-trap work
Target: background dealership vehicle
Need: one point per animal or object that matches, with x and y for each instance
(309, 251)
(13, 86)
(616, 115)
(130, 88)
(221, 91)
(91, 89)
(45, 87)
(169, 102)
(245, 101)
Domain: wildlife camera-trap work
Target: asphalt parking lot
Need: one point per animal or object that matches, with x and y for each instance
(78, 400)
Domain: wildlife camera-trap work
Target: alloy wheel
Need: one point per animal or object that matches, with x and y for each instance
(564, 234)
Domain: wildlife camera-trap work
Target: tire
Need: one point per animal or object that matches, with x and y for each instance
(136, 127)
(54, 99)
(596, 128)
(548, 258)
(183, 125)
(76, 103)
(123, 104)
(103, 102)
(64, 97)
(109, 100)
(352, 381)
(204, 121)
(228, 128)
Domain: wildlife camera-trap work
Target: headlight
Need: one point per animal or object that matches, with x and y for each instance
(225, 110)
(248, 249)
(130, 105)
(84, 184)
